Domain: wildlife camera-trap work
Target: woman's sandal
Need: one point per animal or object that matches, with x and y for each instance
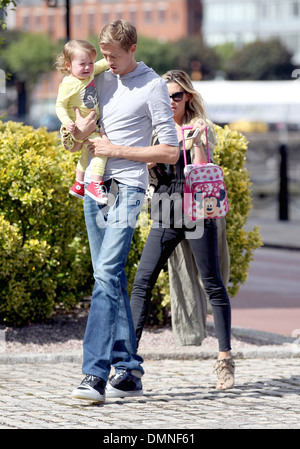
(225, 372)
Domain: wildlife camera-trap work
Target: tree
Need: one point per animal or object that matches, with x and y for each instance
(4, 4)
(261, 60)
(161, 56)
(192, 52)
(27, 58)
(225, 52)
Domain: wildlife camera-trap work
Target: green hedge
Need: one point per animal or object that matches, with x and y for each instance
(44, 254)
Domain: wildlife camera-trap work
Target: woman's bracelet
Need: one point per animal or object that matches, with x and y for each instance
(198, 144)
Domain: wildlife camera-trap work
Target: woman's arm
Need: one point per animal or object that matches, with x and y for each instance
(200, 153)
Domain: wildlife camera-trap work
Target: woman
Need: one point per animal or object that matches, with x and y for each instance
(166, 232)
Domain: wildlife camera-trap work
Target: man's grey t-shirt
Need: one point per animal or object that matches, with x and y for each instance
(131, 107)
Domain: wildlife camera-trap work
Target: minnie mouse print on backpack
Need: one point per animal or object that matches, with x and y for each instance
(205, 194)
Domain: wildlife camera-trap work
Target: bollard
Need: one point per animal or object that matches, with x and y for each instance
(283, 189)
(2, 82)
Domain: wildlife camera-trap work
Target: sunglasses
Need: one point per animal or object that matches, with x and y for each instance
(177, 96)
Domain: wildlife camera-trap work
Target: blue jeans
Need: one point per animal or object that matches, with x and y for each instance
(110, 336)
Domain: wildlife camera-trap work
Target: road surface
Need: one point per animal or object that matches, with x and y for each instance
(270, 299)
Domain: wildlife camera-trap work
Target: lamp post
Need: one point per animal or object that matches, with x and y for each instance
(283, 188)
(68, 20)
(53, 4)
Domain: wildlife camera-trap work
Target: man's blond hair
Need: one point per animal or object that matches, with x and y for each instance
(119, 31)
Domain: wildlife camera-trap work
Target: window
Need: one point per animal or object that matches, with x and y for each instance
(91, 22)
(51, 24)
(148, 15)
(161, 14)
(234, 11)
(37, 22)
(214, 13)
(119, 14)
(132, 17)
(105, 17)
(174, 16)
(295, 9)
(25, 23)
(77, 20)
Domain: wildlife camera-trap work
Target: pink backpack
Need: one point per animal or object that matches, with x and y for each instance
(205, 194)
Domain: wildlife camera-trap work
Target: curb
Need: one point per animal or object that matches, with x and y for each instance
(76, 358)
(281, 246)
(269, 346)
(259, 337)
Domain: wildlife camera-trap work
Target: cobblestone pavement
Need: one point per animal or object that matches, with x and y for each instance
(179, 394)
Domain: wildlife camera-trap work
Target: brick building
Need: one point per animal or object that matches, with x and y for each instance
(162, 19)
(79, 19)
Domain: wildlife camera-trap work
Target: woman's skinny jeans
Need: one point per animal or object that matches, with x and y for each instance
(158, 248)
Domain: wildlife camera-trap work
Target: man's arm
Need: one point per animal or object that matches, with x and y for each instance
(84, 127)
(161, 153)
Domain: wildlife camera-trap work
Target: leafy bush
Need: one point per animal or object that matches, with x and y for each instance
(44, 253)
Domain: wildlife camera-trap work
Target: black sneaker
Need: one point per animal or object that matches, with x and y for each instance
(125, 384)
(92, 388)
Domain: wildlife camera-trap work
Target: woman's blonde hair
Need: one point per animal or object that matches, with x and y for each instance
(68, 52)
(194, 107)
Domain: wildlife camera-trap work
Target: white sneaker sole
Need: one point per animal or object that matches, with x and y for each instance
(112, 392)
(76, 194)
(88, 394)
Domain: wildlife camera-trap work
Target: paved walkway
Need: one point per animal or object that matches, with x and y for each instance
(179, 391)
(179, 394)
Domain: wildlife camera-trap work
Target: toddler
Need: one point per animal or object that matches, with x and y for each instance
(78, 89)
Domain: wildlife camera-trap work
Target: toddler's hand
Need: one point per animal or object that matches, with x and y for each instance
(70, 126)
(150, 165)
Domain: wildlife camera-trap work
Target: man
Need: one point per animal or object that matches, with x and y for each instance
(134, 101)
